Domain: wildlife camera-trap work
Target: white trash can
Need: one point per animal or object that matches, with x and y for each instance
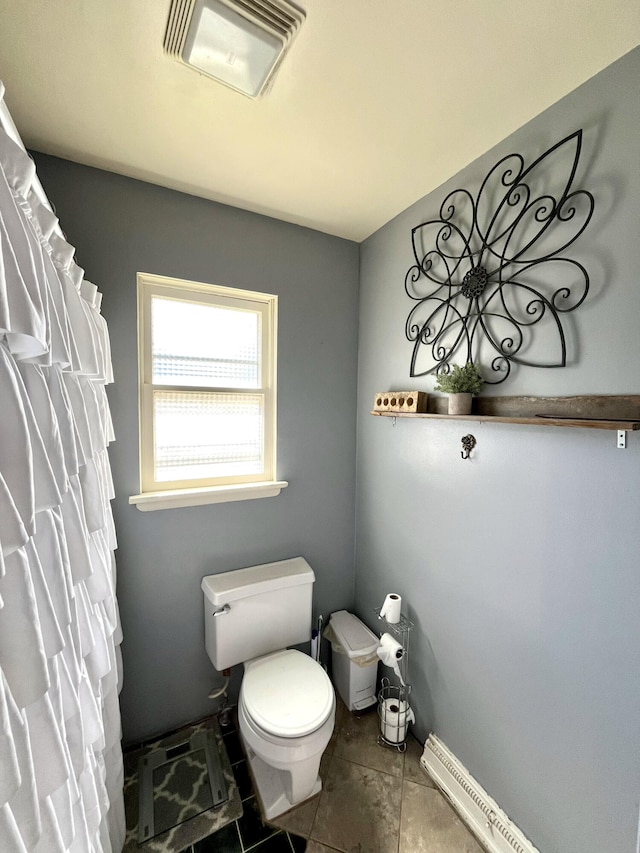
(354, 660)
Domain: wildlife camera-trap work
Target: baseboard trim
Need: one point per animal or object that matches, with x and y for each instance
(480, 812)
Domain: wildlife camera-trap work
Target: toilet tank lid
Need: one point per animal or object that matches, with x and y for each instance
(230, 586)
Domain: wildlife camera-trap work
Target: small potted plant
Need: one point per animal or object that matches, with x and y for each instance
(461, 383)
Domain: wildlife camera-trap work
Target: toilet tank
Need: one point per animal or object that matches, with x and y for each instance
(251, 612)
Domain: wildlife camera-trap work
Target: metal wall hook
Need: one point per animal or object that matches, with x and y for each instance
(468, 443)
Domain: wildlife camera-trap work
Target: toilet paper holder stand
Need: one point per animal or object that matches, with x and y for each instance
(395, 715)
(393, 702)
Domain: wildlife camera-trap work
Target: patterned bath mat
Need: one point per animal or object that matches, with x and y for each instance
(182, 807)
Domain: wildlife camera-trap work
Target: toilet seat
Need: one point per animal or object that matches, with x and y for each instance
(287, 694)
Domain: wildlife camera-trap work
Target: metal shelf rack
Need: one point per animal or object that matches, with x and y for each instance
(394, 734)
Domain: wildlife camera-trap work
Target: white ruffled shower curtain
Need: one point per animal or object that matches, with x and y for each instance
(61, 774)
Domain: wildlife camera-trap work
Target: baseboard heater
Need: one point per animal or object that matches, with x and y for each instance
(483, 816)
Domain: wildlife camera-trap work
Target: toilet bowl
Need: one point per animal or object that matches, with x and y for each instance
(286, 712)
(286, 706)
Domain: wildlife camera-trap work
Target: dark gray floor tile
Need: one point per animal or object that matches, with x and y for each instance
(233, 746)
(298, 844)
(243, 780)
(252, 828)
(227, 840)
(278, 843)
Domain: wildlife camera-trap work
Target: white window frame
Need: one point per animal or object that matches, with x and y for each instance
(167, 495)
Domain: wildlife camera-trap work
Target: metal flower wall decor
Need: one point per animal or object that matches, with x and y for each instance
(490, 270)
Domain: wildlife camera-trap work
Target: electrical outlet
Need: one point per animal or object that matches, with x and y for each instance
(622, 439)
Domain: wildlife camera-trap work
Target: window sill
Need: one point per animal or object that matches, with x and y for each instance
(180, 498)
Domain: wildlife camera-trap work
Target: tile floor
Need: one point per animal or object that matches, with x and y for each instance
(374, 800)
(250, 832)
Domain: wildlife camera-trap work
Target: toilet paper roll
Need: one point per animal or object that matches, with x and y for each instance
(390, 649)
(390, 609)
(391, 653)
(395, 716)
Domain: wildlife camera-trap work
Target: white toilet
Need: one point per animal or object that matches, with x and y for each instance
(286, 708)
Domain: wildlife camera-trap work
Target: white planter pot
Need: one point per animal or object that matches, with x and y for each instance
(460, 404)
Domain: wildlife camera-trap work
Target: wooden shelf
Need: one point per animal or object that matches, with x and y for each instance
(585, 412)
(546, 420)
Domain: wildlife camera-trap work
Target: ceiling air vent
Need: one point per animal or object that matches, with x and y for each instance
(238, 42)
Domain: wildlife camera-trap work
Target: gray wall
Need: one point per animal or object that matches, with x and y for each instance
(520, 567)
(120, 227)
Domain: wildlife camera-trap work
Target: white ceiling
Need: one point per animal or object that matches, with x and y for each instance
(378, 102)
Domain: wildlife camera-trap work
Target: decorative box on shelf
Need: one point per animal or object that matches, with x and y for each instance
(401, 401)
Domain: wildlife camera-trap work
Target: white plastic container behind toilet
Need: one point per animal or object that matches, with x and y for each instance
(353, 659)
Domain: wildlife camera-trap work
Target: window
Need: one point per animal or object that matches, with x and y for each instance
(207, 393)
